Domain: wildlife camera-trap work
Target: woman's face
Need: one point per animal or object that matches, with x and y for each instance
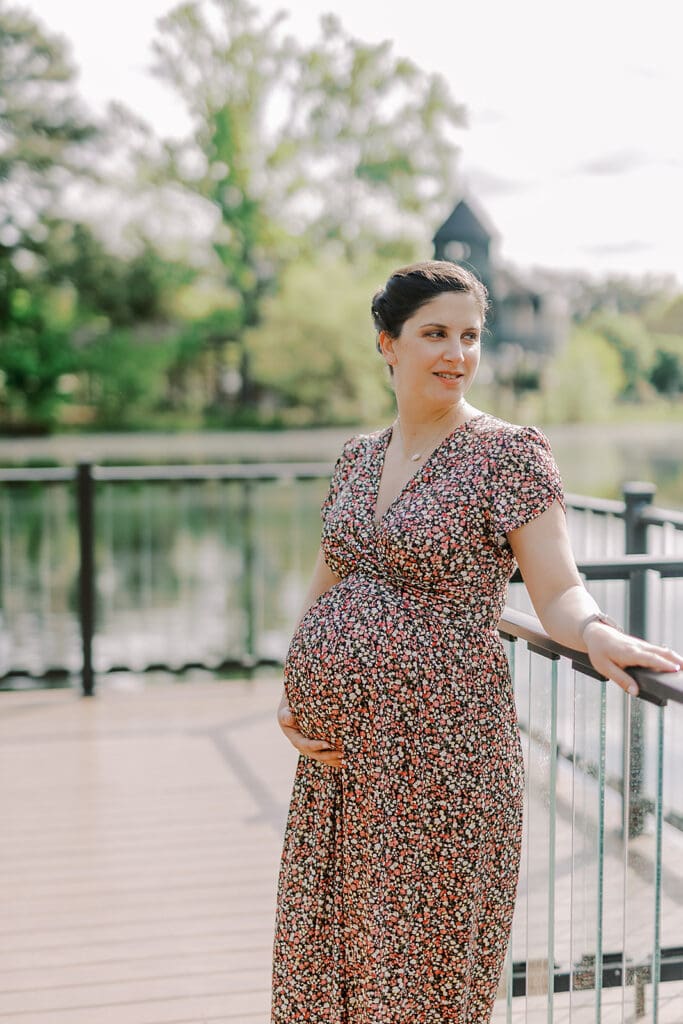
(436, 355)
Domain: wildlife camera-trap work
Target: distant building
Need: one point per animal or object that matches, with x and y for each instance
(522, 316)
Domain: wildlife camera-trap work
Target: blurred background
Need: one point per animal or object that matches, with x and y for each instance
(198, 200)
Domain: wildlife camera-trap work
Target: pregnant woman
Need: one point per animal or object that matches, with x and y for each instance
(401, 854)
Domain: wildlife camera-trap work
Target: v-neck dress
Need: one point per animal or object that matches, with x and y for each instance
(399, 870)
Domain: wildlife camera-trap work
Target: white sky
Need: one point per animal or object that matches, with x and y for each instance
(574, 147)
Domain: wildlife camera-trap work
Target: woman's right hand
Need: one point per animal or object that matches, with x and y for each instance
(319, 750)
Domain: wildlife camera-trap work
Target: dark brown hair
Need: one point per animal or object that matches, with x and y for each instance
(411, 287)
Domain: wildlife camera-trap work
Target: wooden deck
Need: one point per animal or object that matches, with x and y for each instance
(139, 845)
(140, 840)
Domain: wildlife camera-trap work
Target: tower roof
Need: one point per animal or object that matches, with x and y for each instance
(464, 225)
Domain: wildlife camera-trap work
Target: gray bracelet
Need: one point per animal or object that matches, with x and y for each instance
(598, 617)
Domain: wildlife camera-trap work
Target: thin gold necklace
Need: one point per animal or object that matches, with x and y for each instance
(430, 445)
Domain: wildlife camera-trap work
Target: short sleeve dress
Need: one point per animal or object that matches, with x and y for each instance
(399, 870)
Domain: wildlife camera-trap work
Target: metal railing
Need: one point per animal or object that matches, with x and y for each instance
(88, 481)
(596, 931)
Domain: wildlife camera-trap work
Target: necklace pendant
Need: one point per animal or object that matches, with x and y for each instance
(414, 458)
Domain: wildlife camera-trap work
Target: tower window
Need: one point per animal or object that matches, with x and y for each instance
(457, 251)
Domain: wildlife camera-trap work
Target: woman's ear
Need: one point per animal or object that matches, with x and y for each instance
(387, 346)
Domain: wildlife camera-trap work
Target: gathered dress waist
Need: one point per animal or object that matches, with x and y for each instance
(454, 609)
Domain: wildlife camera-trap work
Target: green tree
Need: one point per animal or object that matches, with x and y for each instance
(666, 372)
(313, 355)
(127, 377)
(35, 353)
(294, 147)
(666, 315)
(125, 290)
(630, 339)
(583, 381)
(43, 128)
(615, 293)
(44, 132)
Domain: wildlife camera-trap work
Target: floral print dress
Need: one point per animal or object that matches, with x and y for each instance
(399, 870)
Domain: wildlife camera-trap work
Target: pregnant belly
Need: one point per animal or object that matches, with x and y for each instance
(322, 669)
(360, 650)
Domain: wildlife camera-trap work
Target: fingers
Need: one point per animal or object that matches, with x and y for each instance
(659, 659)
(319, 750)
(286, 718)
(623, 679)
(673, 658)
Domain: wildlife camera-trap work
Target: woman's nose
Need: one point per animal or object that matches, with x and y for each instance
(453, 352)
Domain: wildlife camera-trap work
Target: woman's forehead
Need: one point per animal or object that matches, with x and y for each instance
(449, 307)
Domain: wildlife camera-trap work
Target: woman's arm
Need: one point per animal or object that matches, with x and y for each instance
(563, 604)
(323, 578)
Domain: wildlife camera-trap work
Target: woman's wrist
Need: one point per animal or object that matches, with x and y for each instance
(598, 618)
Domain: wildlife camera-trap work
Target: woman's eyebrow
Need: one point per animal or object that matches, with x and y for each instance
(445, 327)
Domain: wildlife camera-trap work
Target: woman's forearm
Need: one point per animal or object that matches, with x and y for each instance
(564, 616)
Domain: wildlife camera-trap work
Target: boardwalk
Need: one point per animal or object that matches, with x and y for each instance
(139, 848)
(139, 853)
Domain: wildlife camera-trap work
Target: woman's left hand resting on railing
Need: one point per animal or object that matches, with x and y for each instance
(563, 604)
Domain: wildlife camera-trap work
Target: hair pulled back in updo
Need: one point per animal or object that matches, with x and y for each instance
(411, 287)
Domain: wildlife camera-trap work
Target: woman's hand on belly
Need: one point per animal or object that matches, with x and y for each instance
(319, 750)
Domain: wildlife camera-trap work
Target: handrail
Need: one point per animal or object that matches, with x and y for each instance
(651, 515)
(214, 471)
(632, 567)
(38, 475)
(602, 506)
(661, 516)
(623, 567)
(655, 687)
(172, 473)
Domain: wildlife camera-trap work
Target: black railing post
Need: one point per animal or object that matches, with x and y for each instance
(249, 596)
(85, 490)
(637, 496)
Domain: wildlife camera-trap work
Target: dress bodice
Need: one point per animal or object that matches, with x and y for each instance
(443, 539)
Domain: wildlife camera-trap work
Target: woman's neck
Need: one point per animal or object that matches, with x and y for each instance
(418, 424)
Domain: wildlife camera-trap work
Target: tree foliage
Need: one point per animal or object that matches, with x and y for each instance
(314, 355)
(584, 381)
(298, 146)
(35, 352)
(124, 291)
(42, 128)
(666, 372)
(310, 171)
(325, 139)
(630, 339)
